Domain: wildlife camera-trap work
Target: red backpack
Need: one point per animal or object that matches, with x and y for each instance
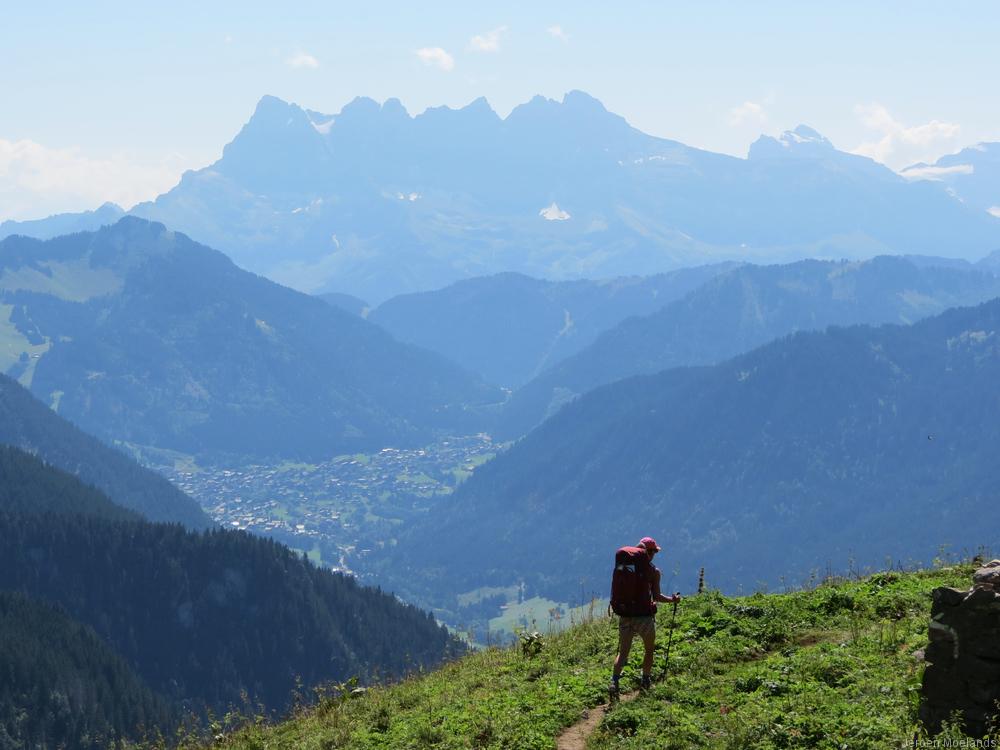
(630, 595)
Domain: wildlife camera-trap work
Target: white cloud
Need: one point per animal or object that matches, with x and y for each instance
(437, 57)
(302, 60)
(488, 42)
(901, 145)
(37, 181)
(936, 173)
(557, 31)
(994, 211)
(751, 112)
(553, 213)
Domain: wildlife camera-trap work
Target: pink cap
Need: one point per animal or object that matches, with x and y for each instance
(649, 543)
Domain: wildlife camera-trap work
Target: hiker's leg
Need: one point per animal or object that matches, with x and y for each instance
(649, 645)
(624, 647)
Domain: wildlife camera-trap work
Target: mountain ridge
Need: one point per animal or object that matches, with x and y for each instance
(164, 342)
(791, 455)
(745, 307)
(374, 202)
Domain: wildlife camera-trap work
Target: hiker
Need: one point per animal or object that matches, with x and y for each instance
(635, 591)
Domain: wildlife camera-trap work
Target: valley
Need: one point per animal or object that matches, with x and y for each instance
(329, 419)
(347, 504)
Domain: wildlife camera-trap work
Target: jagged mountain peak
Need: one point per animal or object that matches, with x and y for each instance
(361, 106)
(800, 142)
(478, 110)
(581, 100)
(804, 134)
(575, 102)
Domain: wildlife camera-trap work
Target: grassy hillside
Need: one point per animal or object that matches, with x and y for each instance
(838, 666)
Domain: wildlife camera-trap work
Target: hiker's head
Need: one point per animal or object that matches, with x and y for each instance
(649, 544)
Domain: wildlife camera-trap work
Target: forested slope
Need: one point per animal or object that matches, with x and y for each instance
(854, 443)
(28, 424)
(203, 618)
(61, 686)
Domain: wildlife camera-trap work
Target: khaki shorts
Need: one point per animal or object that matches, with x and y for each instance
(644, 627)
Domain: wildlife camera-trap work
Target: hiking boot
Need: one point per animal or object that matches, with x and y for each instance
(646, 683)
(614, 690)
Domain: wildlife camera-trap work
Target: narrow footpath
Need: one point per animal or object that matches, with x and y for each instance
(576, 736)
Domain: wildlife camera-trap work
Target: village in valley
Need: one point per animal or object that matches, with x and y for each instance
(350, 503)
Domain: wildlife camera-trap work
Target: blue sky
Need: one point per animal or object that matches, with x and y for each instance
(111, 101)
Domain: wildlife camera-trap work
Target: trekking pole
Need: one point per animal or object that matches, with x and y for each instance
(670, 638)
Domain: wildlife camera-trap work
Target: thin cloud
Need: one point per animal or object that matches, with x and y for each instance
(436, 57)
(552, 212)
(487, 42)
(925, 172)
(751, 112)
(36, 180)
(302, 60)
(557, 31)
(900, 145)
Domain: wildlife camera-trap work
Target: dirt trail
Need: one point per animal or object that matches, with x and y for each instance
(575, 738)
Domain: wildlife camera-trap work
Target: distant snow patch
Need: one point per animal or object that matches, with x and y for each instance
(323, 128)
(936, 173)
(553, 213)
(994, 211)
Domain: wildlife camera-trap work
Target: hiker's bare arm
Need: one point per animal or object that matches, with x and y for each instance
(658, 596)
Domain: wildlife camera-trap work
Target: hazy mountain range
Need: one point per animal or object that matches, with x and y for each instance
(141, 336)
(745, 307)
(68, 223)
(509, 327)
(857, 443)
(374, 202)
(972, 175)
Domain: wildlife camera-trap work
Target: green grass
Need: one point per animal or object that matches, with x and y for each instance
(464, 470)
(13, 344)
(833, 667)
(75, 281)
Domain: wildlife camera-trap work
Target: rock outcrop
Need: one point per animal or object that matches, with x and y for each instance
(963, 671)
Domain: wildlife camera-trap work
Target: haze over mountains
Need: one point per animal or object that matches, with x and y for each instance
(743, 308)
(509, 327)
(856, 443)
(142, 336)
(973, 175)
(374, 202)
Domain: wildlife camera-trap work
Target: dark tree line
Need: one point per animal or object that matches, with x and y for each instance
(62, 686)
(199, 617)
(29, 424)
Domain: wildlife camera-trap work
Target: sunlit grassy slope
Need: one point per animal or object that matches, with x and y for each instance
(838, 666)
